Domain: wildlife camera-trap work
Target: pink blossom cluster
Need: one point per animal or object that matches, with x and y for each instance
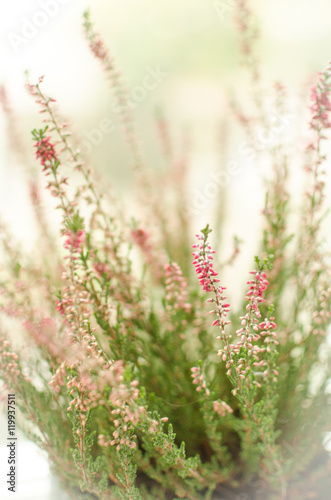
(84, 358)
(82, 402)
(126, 413)
(45, 333)
(152, 257)
(74, 240)
(9, 366)
(251, 331)
(141, 238)
(70, 304)
(98, 48)
(32, 88)
(59, 377)
(84, 391)
(122, 437)
(61, 305)
(322, 314)
(320, 107)
(203, 262)
(222, 408)
(256, 290)
(175, 285)
(199, 380)
(75, 305)
(45, 151)
(101, 268)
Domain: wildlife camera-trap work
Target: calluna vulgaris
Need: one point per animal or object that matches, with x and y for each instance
(134, 373)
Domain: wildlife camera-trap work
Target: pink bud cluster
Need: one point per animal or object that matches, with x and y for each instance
(74, 240)
(323, 313)
(248, 33)
(98, 48)
(58, 379)
(203, 261)
(45, 333)
(127, 413)
(152, 256)
(102, 269)
(33, 89)
(82, 402)
(321, 106)
(222, 408)
(84, 358)
(320, 122)
(123, 436)
(74, 305)
(256, 291)
(199, 380)
(61, 305)
(251, 331)
(175, 285)
(267, 330)
(141, 238)
(9, 367)
(122, 97)
(46, 151)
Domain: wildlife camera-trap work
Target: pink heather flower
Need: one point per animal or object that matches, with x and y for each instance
(102, 269)
(62, 305)
(199, 380)
(256, 291)
(45, 151)
(321, 106)
(175, 286)
(58, 380)
(203, 262)
(10, 369)
(141, 238)
(250, 332)
(204, 265)
(74, 240)
(45, 333)
(154, 257)
(222, 408)
(98, 48)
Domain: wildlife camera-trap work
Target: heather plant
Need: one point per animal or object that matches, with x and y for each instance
(130, 367)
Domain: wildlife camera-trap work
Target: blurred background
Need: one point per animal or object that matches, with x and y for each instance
(193, 47)
(190, 49)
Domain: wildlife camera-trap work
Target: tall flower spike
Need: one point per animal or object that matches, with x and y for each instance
(203, 262)
(246, 352)
(321, 107)
(175, 285)
(199, 380)
(320, 122)
(45, 151)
